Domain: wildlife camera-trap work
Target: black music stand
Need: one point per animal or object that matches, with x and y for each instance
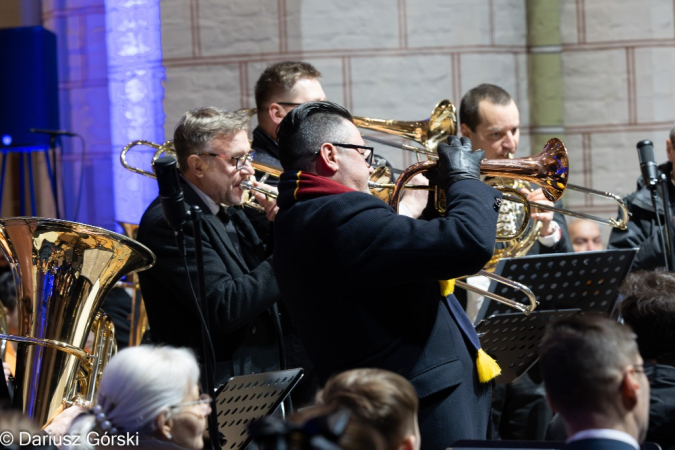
(247, 398)
(589, 281)
(513, 340)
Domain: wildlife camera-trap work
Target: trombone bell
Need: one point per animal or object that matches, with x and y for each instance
(441, 123)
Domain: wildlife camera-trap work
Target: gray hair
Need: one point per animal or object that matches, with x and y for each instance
(138, 385)
(197, 128)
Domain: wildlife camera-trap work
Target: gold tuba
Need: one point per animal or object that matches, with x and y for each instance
(63, 271)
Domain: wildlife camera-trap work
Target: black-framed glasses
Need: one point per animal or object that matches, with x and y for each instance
(239, 161)
(288, 103)
(366, 152)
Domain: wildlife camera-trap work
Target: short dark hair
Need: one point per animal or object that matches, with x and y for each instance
(648, 306)
(469, 113)
(671, 136)
(380, 398)
(198, 127)
(305, 128)
(582, 361)
(279, 79)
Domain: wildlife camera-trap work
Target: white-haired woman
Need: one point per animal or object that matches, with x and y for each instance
(148, 397)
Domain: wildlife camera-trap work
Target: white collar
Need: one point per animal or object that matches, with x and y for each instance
(213, 206)
(605, 433)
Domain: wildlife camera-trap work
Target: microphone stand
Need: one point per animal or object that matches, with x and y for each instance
(52, 144)
(652, 185)
(668, 222)
(209, 369)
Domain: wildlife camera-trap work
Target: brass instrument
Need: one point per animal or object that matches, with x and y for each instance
(4, 329)
(168, 149)
(139, 317)
(621, 223)
(442, 122)
(249, 186)
(63, 271)
(160, 149)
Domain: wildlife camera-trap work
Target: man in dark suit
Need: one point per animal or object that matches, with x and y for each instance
(214, 157)
(595, 380)
(361, 282)
(646, 226)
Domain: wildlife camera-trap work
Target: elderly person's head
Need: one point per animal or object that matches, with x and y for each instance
(152, 391)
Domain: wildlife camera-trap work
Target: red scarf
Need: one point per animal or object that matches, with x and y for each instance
(298, 185)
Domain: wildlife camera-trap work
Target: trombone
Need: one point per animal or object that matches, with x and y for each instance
(442, 123)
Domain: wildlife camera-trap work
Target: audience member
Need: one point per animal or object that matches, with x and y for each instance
(648, 306)
(379, 398)
(318, 427)
(595, 379)
(149, 392)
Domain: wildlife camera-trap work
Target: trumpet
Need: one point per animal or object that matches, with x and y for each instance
(249, 186)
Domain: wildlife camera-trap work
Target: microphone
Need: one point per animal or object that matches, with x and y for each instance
(650, 173)
(170, 192)
(53, 132)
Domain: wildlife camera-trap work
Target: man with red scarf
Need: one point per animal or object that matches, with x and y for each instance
(367, 287)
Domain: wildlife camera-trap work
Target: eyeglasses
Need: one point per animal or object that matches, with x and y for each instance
(204, 399)
(288, 103)
(366, 152)
(240, 161)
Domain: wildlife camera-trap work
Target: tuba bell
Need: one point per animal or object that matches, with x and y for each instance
(63, 271)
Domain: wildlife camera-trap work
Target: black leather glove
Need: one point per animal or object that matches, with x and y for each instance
(457, 162)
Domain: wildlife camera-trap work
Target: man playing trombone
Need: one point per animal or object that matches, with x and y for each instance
(490, 118)
(367, 287)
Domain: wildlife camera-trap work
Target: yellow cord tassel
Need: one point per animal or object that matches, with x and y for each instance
(447, 287)
(486, 366)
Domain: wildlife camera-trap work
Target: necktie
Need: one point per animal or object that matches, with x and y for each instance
(224, 216)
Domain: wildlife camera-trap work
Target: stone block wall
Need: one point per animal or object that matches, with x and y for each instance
(618, 60)
(392, 59)
(395, 59)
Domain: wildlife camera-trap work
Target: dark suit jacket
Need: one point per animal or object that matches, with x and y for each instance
(598, 444)
(240, 290)
(360, 283)
(643, 229)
